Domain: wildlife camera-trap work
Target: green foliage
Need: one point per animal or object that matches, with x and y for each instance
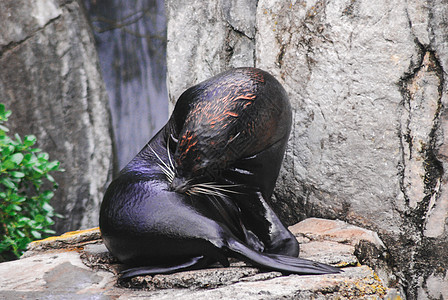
(26, 188)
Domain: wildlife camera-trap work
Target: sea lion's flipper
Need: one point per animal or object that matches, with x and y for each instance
(281, 263)
(192, 263)
(258, 173)
(307, 266)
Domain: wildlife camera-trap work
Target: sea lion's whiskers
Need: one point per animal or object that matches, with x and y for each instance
(219, 187)
(214, 189)
(174, 139)
(204, 191)
(231, 140)
(168, 153)
(168, 173)
(164, 167)
(165, 171)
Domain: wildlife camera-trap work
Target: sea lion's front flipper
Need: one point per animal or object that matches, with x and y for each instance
(258, 174)
(281, 263)
(190, 264)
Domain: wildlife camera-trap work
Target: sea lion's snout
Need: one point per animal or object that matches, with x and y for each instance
(179, 185)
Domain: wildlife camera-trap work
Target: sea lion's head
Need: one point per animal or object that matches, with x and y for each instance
(224, 119)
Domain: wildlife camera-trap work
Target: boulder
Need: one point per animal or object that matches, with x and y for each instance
(50, 79)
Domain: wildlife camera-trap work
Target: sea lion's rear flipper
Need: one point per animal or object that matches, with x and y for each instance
(281, 263)
(190, 264)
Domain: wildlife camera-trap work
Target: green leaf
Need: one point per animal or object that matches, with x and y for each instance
(59, 216)
(8, 183)
(36, 234)
(51, 166)
(29, 140)
(29, 160)
(16, 158)
(47, 207)
(20, 199)
(20, 233)
(37, 170)
(17, 174)
(23, 221)
(43, 156)
(5, 129)
(7, 150)
(39, 218)
(4, 244)
(11, 213)
(18, 139)
(4, 114)
(47, 195)
(5, 141)
(49, 178)
(15, 207)
(7, 165)
(49, 231)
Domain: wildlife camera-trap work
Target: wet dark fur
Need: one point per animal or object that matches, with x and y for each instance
(229, 132)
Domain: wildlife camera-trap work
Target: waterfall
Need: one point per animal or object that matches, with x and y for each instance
(131, 44)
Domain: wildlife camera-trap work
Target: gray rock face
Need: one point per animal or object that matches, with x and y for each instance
(205, 38)
(367, 82)
(49, 78)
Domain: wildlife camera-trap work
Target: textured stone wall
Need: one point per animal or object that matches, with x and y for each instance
(207, 37)
(367, 82)
(49, 78)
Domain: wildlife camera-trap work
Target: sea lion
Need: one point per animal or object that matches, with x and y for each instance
(196, 193)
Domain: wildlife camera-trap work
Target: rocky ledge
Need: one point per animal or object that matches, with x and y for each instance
(77, 265)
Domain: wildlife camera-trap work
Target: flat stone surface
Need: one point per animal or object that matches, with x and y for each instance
(52, 273)
(359, 281)
(329, 252)
(77, 265)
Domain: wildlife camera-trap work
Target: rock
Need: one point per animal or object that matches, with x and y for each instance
(50, 79)
(367, 83)
(330, 237)
(70, 239)
(339, 231)
(205, 38)
(77, 265)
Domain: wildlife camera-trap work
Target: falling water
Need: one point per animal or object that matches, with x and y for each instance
(131, 44)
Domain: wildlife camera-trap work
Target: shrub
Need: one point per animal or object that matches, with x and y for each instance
(26, 188)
